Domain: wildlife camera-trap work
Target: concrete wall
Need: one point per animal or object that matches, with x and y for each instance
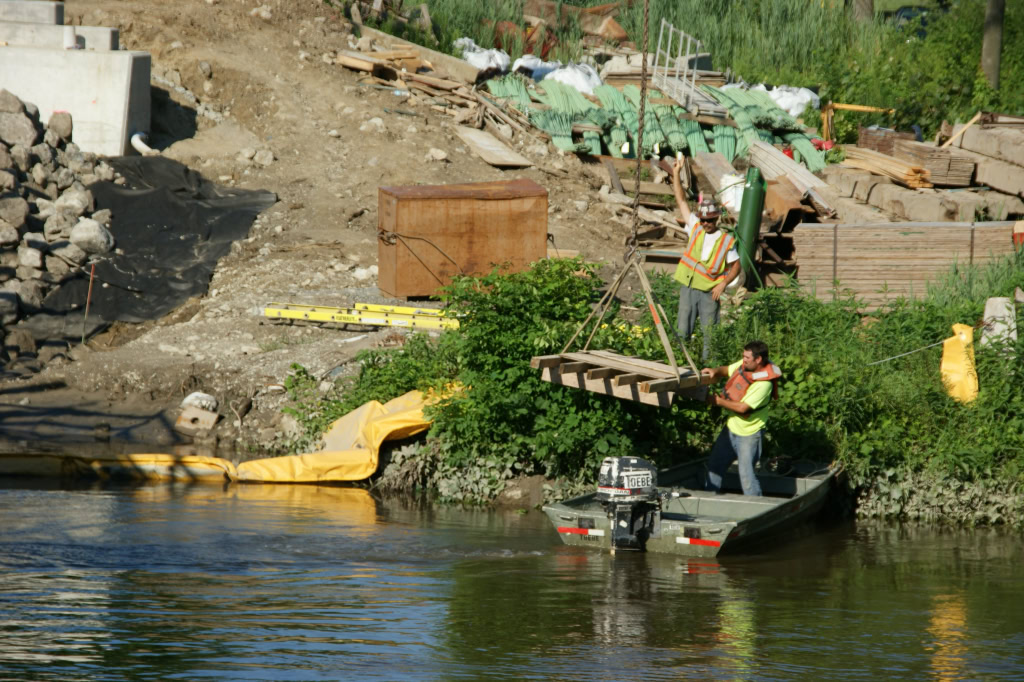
(107, 93)
(35, 11)
(26, 34)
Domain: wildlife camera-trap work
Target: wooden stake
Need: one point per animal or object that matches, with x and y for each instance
(88, 298)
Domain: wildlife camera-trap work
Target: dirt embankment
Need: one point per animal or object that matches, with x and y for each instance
(228, 83)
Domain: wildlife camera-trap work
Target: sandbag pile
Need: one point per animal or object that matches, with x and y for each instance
(49, 227)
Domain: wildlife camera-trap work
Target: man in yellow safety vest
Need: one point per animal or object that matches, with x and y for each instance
(749, 391)
(710, 263)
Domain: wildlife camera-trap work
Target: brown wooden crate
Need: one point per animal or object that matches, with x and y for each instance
(446, 230)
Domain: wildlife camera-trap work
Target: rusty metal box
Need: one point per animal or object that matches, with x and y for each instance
(427, 234)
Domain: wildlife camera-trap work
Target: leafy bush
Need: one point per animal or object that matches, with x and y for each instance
(834, 403)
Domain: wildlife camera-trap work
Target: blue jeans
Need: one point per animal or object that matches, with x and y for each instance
(694, 303)
(745, 450)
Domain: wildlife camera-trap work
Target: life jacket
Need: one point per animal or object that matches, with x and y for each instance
(703, 275)
(737, 385)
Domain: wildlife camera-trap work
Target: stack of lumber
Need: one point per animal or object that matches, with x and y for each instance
(880, 139)
(774, 164)
(628, 378)
(998, 152)
(884, 261)
(882, 164)
(944, 167)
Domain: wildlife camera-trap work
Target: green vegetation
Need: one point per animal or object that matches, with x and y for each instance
(880, 421)
(927, 73)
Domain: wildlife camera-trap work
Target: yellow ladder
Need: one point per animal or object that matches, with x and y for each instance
(366, 314)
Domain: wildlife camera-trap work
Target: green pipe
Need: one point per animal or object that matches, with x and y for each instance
(748, 227)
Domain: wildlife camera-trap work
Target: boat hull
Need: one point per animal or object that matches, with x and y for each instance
(698, 523)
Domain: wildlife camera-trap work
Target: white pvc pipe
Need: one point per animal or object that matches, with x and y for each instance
(139, 145)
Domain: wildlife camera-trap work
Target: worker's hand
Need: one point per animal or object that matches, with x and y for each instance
(708, 373)
(717, 292)
(677, 167)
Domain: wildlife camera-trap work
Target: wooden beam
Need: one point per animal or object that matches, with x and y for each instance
(613, 176)
(542, 361)
(627, 379)
(659, 386)
(606, 387)
(574, 367)
(602, 373)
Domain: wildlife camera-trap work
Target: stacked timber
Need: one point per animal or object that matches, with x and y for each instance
(998, 152)
(900, 171)
(944, 167)
(773, 165)
(881, 140)
(884, 261)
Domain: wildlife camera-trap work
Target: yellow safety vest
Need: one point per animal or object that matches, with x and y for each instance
(703, 275)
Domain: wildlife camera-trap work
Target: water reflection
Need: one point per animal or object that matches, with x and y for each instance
(306, 582)
(949, 628)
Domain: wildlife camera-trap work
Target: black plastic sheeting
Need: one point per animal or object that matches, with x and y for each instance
(171, 226)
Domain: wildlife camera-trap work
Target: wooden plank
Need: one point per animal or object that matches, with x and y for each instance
(574, 367)
(542, 361)
(606, 387)
(491, 149)
(455, 67)
(602, 373)
(627, 379)
(659, 386)
(613, 176)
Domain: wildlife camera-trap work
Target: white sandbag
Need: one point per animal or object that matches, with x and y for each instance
(481, 58)
(583, 77)
(792, 100)
(731, 197)
(534, 67)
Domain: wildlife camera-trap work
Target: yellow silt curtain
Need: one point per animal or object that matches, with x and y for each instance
(349, 453)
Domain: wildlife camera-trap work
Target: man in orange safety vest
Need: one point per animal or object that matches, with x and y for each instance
(707, 267)
(749, 391)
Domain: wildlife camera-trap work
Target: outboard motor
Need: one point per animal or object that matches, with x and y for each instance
(627, 488)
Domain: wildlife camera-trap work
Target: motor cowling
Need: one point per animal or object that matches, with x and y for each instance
(627, 487)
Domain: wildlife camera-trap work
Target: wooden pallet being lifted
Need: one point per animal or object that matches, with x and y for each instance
(624, 377)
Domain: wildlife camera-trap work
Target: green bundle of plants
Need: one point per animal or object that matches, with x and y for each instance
(564, 98)
(670, 126)
(781, 118)
(511, 87)
(725, 141)
(694, 136)
(613, 100)
(811, 157)
(654, 137)
(558, 125)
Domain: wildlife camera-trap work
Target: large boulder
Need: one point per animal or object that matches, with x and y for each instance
(5, 157)
(59, 225)
(13, 209)
(8, 234)
(74, 201)
(60, 123)
(10, 304)
(91, 237)
(9, 103)
(68, 252)
(8, 181)
(18, 129)
(30, 258)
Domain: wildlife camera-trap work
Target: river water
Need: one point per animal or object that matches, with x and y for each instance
(304, 583)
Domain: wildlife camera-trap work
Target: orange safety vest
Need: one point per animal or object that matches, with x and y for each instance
(737, 385)
(703, 276)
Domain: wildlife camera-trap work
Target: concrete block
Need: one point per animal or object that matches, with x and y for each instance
(35, 11)
(1000, 322)
(26, 34)
(106, 93)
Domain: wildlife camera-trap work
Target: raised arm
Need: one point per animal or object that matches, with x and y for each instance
(677, 189)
